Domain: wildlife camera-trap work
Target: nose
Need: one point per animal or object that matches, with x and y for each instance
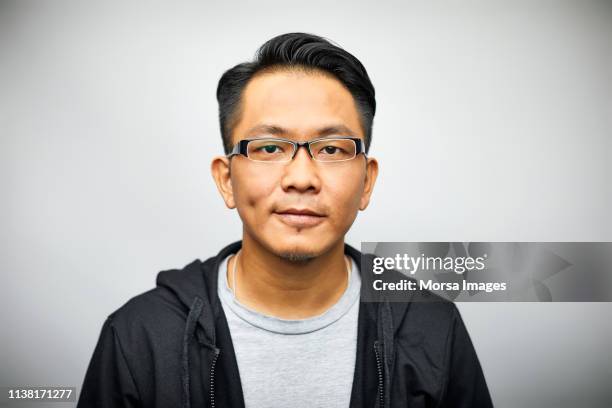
(301, 174)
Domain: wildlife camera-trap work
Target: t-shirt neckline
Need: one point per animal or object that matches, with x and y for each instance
(290, 326)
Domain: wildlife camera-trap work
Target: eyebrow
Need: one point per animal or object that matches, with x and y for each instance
(280, 131)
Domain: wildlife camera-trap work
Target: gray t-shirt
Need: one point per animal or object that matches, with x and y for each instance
(295, 363)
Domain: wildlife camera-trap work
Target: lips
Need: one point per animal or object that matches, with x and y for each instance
(300, 217)
(303, 211)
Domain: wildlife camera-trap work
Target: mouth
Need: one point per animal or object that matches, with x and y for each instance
(300, 217)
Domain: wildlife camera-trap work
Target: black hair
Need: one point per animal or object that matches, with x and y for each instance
(299, 51)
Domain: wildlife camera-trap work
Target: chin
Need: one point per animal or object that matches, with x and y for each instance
(299, 250)
(297, 257)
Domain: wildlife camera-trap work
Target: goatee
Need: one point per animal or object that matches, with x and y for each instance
(297, 257)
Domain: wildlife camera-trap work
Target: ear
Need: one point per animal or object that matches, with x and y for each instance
(220, 169)
(370, 180)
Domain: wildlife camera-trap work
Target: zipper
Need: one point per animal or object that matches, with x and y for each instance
(381, 383)
(212, 378)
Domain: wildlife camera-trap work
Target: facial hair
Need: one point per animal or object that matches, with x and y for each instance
(297, 257)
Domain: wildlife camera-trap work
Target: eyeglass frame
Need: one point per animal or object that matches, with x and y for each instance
(241, 148)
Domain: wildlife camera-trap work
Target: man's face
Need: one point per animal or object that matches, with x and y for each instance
(297, 209)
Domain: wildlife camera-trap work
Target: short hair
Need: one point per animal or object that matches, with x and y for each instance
(296, 51)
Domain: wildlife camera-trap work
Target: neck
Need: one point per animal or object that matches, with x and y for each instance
(278, 287)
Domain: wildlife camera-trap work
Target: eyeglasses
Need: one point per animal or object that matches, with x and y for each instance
(274, 150)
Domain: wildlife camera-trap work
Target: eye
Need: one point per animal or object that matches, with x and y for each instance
(331, 150)
(270, 148)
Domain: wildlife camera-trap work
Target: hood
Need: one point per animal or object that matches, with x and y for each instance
(195, 288)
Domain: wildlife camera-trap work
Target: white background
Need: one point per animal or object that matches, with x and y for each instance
(493, 124)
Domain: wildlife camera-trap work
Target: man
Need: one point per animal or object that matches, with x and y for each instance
(276, 320)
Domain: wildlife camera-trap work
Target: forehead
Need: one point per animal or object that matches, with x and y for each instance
(301, 102)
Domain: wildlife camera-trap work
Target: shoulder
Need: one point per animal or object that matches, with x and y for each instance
(427, 320)
(145, 320)
(160, 311)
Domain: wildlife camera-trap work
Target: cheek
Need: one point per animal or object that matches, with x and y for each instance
(251, 191)
(345, 191)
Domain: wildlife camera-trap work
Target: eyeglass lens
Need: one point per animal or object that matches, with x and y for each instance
(270, 150)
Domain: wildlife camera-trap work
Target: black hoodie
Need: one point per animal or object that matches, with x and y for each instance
(171, 347)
